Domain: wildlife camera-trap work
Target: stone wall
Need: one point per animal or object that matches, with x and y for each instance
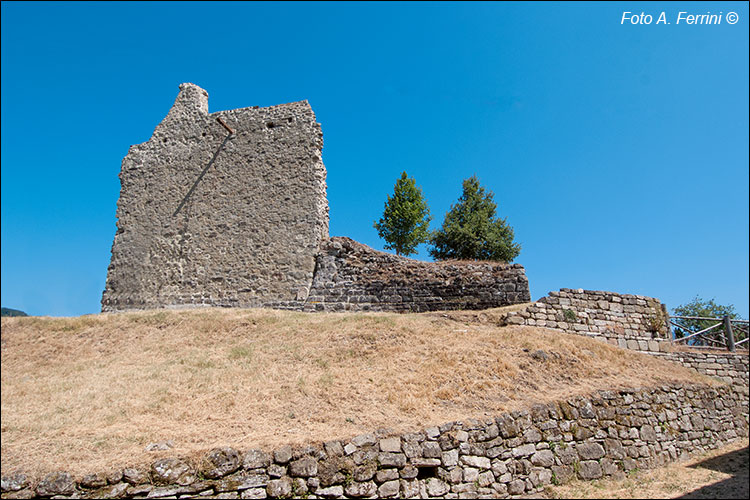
(237, 216)
(209, 217)
(629, 321)
(520, 452)
(731, 367)
(350, 276)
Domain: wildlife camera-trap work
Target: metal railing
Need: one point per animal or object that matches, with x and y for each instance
(722, 333)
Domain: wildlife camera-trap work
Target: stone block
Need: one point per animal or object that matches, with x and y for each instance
(589, 469)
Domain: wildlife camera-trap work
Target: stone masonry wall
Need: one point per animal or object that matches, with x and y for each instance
(350, 276)
(206, 217)
(516, 453)
(237, 216)
(733, 368)
(629, 321)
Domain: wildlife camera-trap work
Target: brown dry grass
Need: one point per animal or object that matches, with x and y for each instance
(82, 394)
(721, 473)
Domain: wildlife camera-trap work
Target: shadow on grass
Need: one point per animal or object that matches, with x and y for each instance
(734, 463)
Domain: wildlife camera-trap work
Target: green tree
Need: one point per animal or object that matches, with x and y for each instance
(7, 311)
(406, 218)
(704, 309)
(472, 231)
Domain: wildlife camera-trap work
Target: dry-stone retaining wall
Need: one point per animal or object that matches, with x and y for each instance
(629, 321)
(731, 367)
(350, 276)
(606, 434)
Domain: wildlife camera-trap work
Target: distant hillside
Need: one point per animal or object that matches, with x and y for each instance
(7, 311)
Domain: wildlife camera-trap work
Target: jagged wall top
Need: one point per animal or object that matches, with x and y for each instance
(209, 217)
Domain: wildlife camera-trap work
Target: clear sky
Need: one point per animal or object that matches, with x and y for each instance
(617, 152)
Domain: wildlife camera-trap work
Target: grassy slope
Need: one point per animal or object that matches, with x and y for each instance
(82, 394)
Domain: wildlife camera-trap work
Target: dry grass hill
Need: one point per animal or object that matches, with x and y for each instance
(89, 393)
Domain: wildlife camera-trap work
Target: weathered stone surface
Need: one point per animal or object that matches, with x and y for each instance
(516, 487)
(141, 489)
(163, 491)
(276, 470)
(647, 433)
(479, 462)
(640, 324)
(431, 449)
(540, 477)
(507, 426)
(543, 458)
(365, 472)
(304, 467)
(333, 448)
(334, 470)
(134, 476)
(409, 488)
(357, 489)
(524, 450)
(14, 482)
(242, 481)
(20, 494)
(470, 474)
(114, 491)
(351, 276)
(388, 489)
(279, 488)
(113, 476)
(425, 462)
(254, 493)
(392, 459)
(364, 440)
(590, 451)
(255, 459)
(590, 469)
(171, 470)
(391, 444)
(282, 455)
(449, 458)
(168, 247)
(330, 492)
(386, 475)
(299, 487)
(56, 483)
(408, 472)
(220, 461)
(436, 487)
(93, 481)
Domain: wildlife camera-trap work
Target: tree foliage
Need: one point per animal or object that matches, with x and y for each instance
(7, 312)
(472, 231)
(406, 218)
(704, 309)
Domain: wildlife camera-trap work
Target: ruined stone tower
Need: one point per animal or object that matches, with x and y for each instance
(225, 208)
(230, 209)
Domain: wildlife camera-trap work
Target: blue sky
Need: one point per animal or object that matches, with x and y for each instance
(618, 153)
